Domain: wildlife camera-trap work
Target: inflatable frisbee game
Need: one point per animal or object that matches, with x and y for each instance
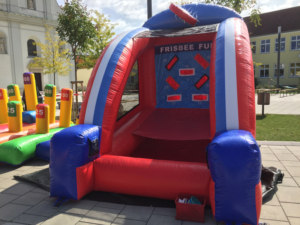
(193, 130)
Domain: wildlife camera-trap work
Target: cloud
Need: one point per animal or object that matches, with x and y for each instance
(60, 2)
(123, 26)
(127, 13)
(273, 5)
(160, 5)
(133, 13)
(129, 9)
(278, 4)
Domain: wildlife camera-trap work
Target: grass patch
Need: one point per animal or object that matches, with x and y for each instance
(277, 128)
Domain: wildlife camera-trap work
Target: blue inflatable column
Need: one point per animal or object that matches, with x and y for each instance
(235, 164)
(70, 149)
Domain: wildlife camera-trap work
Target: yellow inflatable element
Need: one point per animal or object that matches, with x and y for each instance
(42, 119)
(66, 107)
(14, 93)
(3, 106)
(50, 99)
(30, 91)
(14, 109)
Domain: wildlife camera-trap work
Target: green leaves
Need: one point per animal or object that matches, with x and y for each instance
(76, 28)
(254, 17)
(104, 33)
(54, 55)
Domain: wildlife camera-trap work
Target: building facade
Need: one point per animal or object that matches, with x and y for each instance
(264, 40)
(22, 22)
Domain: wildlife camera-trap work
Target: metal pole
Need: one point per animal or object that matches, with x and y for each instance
(149, 6)
(263, 104)
(278, 56)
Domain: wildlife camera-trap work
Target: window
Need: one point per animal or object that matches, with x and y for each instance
(294, 69)
(30, 4)
(265, 46)
(295, 42)
(281, 70)
(31, 47)
(253, 47)
(130, 97)
(3, 49)
(282, 44)
(264, 71)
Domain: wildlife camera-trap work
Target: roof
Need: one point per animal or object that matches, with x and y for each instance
(288, 19)
(179, 32)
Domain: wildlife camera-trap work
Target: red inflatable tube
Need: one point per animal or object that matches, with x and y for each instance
(245, 89)
(183, 14)
(151, 178)
(4, 127)
(27, 130)
(258, 199)
(85, 179)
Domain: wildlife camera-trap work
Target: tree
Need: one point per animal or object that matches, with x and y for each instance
(237, 5)
(54, 57)
(75, 27)
(104, 34)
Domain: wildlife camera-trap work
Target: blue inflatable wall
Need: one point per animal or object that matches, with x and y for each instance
(235, 164)
(71, 148)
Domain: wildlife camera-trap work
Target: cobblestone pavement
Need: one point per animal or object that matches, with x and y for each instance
(289, 105)
(23, 203)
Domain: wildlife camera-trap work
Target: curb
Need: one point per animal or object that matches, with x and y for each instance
(279, 143)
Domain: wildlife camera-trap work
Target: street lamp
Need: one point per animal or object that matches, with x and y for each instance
(278, 55)
(149, 6)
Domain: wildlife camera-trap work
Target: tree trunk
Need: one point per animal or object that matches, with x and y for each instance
(75, 63)
(54, 78)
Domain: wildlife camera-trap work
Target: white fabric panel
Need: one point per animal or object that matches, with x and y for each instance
(231, 101)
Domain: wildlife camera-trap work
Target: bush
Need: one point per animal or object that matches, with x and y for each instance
(79, 88)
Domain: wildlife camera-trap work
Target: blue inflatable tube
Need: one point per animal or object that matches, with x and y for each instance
(234, 161)
(29, 117)
(205, 14)
(71, 148)
(43, 151)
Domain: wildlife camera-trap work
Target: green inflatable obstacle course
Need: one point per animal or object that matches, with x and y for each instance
(16, 151)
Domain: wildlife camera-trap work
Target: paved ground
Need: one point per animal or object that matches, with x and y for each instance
(281, 105)
(22, 203)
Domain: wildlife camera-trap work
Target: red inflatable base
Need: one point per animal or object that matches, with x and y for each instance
(151, 178)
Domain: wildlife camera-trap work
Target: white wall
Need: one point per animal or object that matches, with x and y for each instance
(55, 9)
(5, 71)
(63, 82)
(39, 5)
(3, 6)
(22, 3)
(39, 8)
(5, 60)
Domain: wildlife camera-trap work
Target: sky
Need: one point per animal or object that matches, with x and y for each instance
(131, 14)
